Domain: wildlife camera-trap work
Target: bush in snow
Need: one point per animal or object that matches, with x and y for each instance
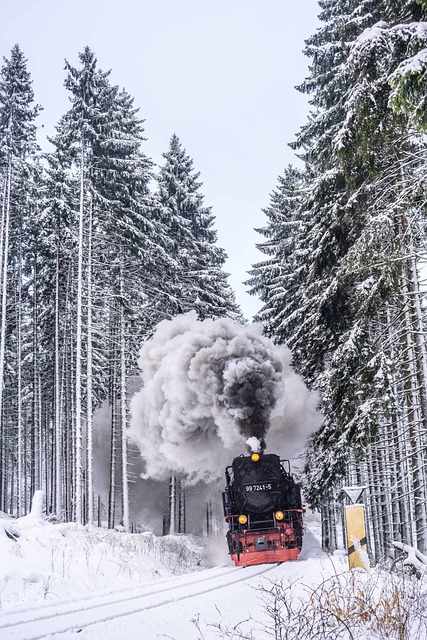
(373, 605)
(44, 561)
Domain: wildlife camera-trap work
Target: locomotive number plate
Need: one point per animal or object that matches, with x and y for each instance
(263, 486)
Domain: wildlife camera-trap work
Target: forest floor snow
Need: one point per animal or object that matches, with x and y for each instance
(62, 581)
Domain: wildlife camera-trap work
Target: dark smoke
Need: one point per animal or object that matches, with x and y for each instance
(251, 399)
(208, 388)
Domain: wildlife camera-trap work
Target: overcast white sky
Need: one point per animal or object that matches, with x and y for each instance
(220, 74)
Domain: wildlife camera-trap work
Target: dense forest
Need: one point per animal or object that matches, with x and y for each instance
(345, 246)
(97, 246)
(92, 257)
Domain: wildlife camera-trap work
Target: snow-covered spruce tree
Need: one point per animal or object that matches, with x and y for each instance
(398, 196)
(99, 145)
(190, 272)
(17, 151)
(396, 208)
(409, 80)
(56, 296)
(131, 246)
(194, 277)
(83, 126)
(36, 301)
(391, 299)
(358, 335)
(321, 304)
(277, 279)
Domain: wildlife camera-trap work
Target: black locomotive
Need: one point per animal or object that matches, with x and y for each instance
(263, 509)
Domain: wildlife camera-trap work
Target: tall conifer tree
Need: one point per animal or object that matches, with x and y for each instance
(99, 142)
(17, 151)
(277, 279)
(357, 335)
(194, 277)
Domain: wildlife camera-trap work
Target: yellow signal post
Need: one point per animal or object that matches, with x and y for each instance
(357, 546)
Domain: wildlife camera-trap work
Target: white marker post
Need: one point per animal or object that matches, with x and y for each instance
(357, 546)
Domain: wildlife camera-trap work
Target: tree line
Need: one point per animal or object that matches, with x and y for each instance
(92, 257)
(345, 250)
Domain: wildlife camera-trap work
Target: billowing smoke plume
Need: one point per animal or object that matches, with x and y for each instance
(209, 390)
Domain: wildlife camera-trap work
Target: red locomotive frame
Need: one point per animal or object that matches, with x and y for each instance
(259, 546)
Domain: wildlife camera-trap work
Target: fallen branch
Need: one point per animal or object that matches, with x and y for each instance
(414, 557)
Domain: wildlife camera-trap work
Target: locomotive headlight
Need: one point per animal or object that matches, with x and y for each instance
(243, 519)
(255, 457)
(279, 515)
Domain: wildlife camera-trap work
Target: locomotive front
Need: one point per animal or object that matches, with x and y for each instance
(263, 509)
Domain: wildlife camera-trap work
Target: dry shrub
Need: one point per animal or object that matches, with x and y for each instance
(348, 606)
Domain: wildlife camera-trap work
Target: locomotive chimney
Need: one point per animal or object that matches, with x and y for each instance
(255, 445)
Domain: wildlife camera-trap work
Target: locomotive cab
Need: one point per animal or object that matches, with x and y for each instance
(263, 509)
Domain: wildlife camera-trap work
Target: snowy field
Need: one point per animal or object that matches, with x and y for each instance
(67, 582)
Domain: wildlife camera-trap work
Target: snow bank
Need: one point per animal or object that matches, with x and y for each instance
(45, 562)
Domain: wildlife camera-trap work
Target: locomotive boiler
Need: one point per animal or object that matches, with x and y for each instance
(263, 510)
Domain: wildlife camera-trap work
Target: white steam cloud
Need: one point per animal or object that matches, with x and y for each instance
(209, 389)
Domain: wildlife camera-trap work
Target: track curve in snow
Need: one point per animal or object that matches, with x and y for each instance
(34, 624)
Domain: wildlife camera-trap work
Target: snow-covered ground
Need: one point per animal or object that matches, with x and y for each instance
(67, 582)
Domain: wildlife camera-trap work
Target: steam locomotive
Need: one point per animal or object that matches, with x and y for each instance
(263, 509)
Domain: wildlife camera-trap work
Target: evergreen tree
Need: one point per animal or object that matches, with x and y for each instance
(276, 280)
(17, 177)
(356, 336)
(193, 278)
(56, 250)
(99, 146)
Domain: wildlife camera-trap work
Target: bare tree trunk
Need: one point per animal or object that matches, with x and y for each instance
(113, 454)
(172, 505)
(19, 482)
(414, 404)
(57, 399)
(329, 532)
(4, 279)
(78, 506)
(68, 392)
(123, 410)
(182, 525)
(89, 373)
(396, 445)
